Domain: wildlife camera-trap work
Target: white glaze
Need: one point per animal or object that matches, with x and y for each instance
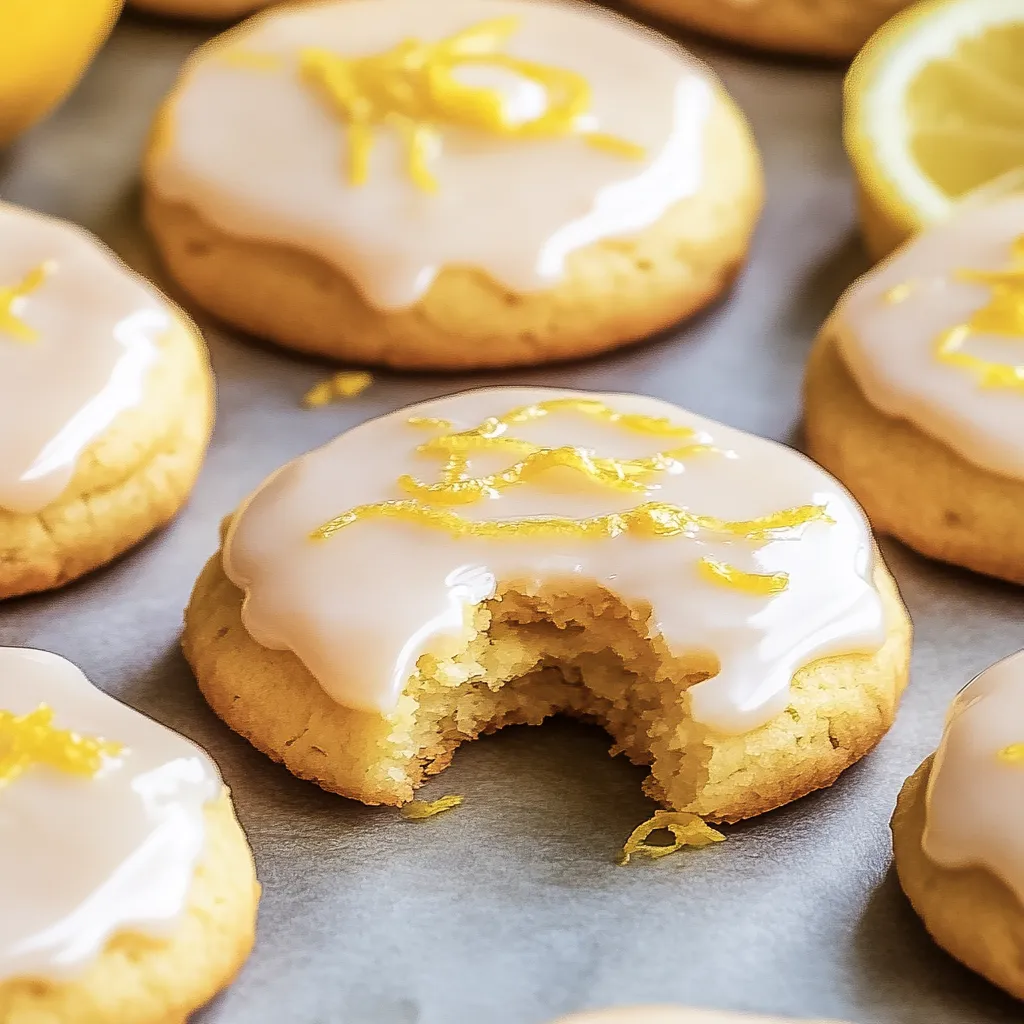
(889, 347)
(260, 156)
(974, 796)
(82, 859)
(358, 609)
(98, 326)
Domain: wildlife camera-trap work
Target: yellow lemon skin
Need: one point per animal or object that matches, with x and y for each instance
(45, 46)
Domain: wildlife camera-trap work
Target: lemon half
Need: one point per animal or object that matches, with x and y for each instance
(934, 111)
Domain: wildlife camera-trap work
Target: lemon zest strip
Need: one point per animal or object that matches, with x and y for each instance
(10, 322)
(346, 384)
(413, 88)
(1003, 316)
(31, 739)
(1013, 754)
(761, 584)
(419, 810)
(687, 830)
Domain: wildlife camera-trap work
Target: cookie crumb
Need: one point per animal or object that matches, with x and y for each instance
(687, 830)
(417, 810)
(346, 384)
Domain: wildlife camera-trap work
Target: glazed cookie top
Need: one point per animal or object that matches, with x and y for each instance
(393, 138)
(78, 335)
(101, 817)
(935, 335)
(976, 784)
(666, 1015)
(362, 554)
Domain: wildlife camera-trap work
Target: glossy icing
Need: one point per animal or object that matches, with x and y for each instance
(78, 336)
(976, 784)
(357, 558)
(935, 334)
(85, 856)
(258, 153)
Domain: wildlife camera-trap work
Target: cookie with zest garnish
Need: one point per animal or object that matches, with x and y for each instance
(127, 886)
(499, 556)
(106, 404)
(914, 394)
(464, 183)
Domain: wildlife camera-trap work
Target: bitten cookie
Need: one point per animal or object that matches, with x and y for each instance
(669, 1015)
(106, 404)
(958, 834)
(915, 391)
(127, 886)
(456, 184)
(205, 10)
(823, 28)
(499, 556)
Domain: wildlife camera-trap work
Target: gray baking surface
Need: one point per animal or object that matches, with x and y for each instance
(510, 909)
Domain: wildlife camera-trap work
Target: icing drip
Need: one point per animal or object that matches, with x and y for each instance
(977, 778)
(745, 551)
(935, 334)
(97, 836)
(78, 336)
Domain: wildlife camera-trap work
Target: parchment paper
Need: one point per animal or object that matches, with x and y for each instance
(511, 910)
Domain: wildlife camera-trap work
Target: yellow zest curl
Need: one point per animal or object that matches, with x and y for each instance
(687, 830)
(31, 739)
(414, 87)
(346, 384)
(761, 584)
(652, 519)
(10, 322)
(1013, 754)
(1002, 317)
(418, 810)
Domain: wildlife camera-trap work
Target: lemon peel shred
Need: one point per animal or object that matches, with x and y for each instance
(414, 88)
(346, 384)
(1013, 754)
(687, 830)
(762, 584)
(32, 739)
(419, 810)
(12, 324)
(1002, 316)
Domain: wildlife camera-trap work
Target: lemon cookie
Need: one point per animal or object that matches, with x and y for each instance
(464, 183)
(105, 404)
(958, 834)
(915, 391)
(127, 886)
(498, 556)
(824, 28)
(668, 1015)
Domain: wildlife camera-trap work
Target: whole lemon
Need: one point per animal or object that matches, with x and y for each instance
(45, 46)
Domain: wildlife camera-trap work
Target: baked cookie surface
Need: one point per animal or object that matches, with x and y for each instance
(204, 10)
(821, 28)
(958, 837)
(128, 887)
(713, 599)
(914, 396)
(559, 183)
(106, 404)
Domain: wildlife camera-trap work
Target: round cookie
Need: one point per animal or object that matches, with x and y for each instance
(667, 1015)
(557, 183)
(957, 833)
(205, 10)
(914, 398)
(128, 887)
(821, 28)
(713, 599)
(106, 404)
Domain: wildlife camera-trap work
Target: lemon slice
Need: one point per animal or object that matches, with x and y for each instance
(934, 112)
